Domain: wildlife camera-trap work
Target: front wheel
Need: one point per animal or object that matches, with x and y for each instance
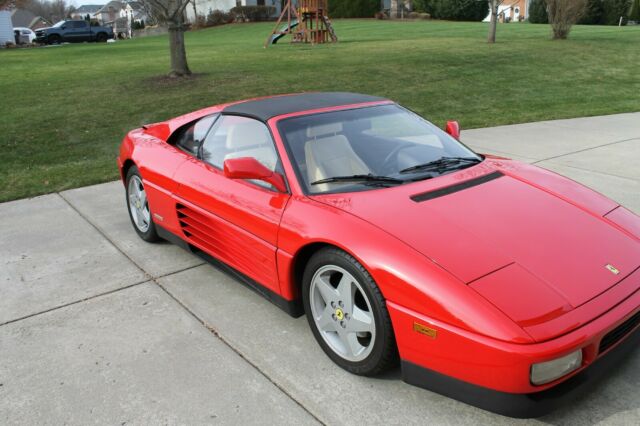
(347, 313)
(138, 207)
(54, 39)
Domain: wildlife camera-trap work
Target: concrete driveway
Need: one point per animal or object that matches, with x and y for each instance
(97, 326)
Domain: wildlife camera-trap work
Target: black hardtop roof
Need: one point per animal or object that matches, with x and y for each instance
(266, 108)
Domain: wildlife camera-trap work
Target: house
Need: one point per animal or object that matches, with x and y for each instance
(132, 11)
(27, 19)
(84, 10)
(512, 11)
(203, 7)
(399, 8)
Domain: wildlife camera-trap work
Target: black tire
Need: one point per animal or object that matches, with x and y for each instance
(384, 354)
(54, 39)
(150, 234)
(101, 37)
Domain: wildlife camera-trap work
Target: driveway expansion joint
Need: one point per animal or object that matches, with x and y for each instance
(209, 327)
(75, 302)
(586, 149)
(217, 334)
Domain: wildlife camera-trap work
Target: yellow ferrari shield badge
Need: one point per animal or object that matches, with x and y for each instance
(612, 269)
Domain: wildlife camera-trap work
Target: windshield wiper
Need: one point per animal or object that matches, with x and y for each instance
(360, 178)
(441, 163)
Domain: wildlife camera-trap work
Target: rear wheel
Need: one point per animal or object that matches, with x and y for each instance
(138, 207)
(101, 37)
(347, 313)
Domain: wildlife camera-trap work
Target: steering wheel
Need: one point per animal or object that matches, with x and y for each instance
(393, 156)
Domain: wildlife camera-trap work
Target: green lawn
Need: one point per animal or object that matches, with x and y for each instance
(65, 109)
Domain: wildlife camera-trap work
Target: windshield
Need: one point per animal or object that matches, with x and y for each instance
(365, 148)
(58, 24)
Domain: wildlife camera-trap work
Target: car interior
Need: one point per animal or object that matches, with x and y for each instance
(321, 147)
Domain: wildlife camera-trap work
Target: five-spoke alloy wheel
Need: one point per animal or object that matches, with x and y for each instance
(347, 313)
(139, 211)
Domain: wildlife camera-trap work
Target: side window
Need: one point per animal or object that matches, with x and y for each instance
(235, 137)
(78, 24)
(190, 137)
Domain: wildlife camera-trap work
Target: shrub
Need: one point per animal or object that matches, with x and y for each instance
(538, 12)
(593, 13)
(614, 9)
(414, 15)
(634, 15)
(380, 15)
(424, 16)
(253, 13)
(137, 25)
(563, 14)
(201, 21)
(353, 8)
(424, 6)
(454, 10)
(218, 17)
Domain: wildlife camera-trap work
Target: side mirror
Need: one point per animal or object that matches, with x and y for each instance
(453, 128)
(250, 168)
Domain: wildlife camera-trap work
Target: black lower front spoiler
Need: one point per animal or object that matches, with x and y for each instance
(520, 405)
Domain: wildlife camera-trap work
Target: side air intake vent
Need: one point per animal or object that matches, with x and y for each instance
(196, 227)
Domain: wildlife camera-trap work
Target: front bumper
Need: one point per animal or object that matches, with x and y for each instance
(521, 405)
(495, 375)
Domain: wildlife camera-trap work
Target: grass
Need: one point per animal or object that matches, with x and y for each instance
(64, 110)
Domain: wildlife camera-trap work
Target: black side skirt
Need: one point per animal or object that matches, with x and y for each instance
(292, 307)
(521, 405)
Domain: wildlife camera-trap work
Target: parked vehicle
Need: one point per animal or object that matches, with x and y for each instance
(24, 33)
(490, 280)
(75, 31)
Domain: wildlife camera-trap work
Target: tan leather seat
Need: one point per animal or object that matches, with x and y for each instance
(250, 138)
(328, 154)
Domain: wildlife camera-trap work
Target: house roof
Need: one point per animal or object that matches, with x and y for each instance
(136, 5)
(112, 5)
(24, 18)
(88, 8)
(266, 108)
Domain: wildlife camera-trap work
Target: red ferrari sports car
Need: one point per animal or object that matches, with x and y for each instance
(492, 281)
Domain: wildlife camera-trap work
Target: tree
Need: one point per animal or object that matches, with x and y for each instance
(634, 15)
(493, 23)
(563, 14)
(171, 13)
(538, 12)
(616, 12)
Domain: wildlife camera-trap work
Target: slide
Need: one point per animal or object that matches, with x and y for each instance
(285, 29)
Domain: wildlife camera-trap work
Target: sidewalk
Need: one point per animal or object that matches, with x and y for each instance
(97, 326)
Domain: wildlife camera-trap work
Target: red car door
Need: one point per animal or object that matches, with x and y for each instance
(236, 221)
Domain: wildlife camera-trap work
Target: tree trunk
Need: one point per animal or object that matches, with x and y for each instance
(179, 67)
(493, 23)
(195, 13)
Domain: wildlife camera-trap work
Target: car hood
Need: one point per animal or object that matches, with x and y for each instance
(548, 233)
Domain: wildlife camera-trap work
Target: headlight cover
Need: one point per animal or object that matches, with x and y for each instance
(549, 371)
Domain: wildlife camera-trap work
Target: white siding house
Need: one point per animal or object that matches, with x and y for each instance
(204, 6)
(6, 28)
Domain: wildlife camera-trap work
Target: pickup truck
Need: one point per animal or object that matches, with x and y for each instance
(72, 32)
